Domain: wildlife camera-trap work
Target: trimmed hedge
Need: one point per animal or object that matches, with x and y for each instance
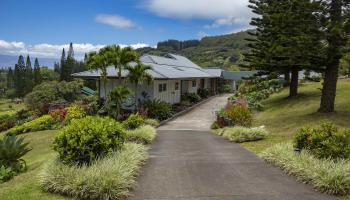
(109, 178)
(45, 122)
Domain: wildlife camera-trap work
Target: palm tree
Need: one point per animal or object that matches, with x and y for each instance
(119, 57)
(99, 61)
(137, 75)
(115, 100)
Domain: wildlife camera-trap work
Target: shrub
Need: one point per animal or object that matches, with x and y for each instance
(225, 89)
(6, 174)
(325, 175)
(203, 93)
(12, 150)
(133, 121)
(7, 121)
(242, 134)
(152, 122)
(109, 178)
(87, 139)
(74, 112)
(143, 135)
(59, 114)
(326, 141)
(157, 109)
(192, 97)
(45, 122)
(215, 126)
(52, 92)
(239, 115)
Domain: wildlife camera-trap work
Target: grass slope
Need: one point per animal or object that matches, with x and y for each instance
(26, 185)
(283, 117)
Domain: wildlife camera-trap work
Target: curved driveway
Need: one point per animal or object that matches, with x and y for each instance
(187, 162)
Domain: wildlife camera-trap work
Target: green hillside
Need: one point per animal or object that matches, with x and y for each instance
(223, 51)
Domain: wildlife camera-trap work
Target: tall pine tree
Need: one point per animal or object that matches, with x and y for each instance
(37, 73)
(337, 28)
(287, 38)
(63, 65)
(9, 78)
(28, 76)
(70, 63)
(19, 77)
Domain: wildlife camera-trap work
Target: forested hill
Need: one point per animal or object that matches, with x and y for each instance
(223, 51)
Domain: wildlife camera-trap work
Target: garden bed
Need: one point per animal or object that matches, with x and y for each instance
(328, 176)
(109, 178)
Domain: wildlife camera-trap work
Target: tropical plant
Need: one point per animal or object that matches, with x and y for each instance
(119, 57)
(134, 121)
(116, 98)
(326, 141)
(99, 61)
(87, 139)
(138, 74)
(12, 149)
(74, 112)
(142, 134)
(157, 109)
(108, 178)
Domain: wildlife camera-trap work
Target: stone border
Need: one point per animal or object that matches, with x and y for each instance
(186, 110)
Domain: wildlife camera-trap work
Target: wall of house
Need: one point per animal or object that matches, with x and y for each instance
(171, 94)
(142, 89)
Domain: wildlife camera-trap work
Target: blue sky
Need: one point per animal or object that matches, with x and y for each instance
(43, 27)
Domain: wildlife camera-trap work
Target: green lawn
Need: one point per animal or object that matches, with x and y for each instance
(7, 106)
(283, 116)
(25, 185)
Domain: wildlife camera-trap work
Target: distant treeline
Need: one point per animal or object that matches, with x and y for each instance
(178, 45)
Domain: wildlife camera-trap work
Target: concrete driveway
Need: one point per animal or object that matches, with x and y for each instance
(188, 162)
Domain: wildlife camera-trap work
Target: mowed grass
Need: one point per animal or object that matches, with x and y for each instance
(26, 185)
(7, 106)
(283, 116)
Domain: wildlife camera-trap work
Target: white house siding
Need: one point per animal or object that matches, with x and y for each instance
(112, 83)
(171, 95)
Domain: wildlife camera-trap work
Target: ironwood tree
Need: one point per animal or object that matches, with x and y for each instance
(336, 15)
(288, 38)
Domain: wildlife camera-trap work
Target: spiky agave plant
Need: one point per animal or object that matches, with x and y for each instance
(12, 149)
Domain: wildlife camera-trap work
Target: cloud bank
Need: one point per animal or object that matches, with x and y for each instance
(222, 12)
(45, 50)
(115, 21)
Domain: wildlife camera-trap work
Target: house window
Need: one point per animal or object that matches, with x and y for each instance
(162, 87)
(194, 83)
(176, 86)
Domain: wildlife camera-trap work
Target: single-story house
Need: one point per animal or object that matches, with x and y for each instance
(173, 76)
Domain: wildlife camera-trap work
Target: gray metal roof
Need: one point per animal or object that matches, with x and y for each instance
(237, 75)
(169, 67)
(216, 72)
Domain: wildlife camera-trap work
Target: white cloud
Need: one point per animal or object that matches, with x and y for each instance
(115, 20)
(223, 12)
(229, 21)
(45, 50)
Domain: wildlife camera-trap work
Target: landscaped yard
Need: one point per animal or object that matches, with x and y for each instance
(283, 117)
(26, 185)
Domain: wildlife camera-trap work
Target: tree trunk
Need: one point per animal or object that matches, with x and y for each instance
(105, 88)
(329, 89)
(136, 104)
(335, 42)
(293, 87)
